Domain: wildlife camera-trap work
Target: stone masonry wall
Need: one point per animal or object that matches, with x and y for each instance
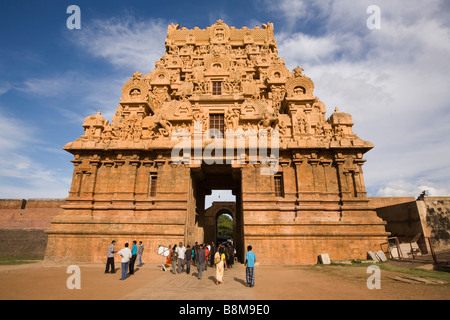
(22, 222)
(22, 225)
(406, 217)
(436, 220)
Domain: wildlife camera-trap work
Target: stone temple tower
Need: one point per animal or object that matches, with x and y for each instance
(220, 111)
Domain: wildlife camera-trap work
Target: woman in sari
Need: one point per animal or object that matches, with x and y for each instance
(219, 260)
(168, 262)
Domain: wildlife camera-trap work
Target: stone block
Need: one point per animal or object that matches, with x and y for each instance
(372, 256)
(324, 258)
(381, 256)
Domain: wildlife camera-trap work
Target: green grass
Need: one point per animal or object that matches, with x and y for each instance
(16, 260)
(416, 272)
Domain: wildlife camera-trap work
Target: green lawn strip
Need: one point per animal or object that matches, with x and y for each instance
(17, 260)
(415, 272)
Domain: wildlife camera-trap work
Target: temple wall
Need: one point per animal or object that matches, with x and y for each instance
(310, 219)
(89, 222)
(281, 236)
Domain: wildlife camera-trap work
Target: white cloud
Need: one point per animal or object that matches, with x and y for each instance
(14, 133)
(403, 188)
(20, 174)
(393, 81)
(299, 46)
(125, 42)
(56, 86)
(4, 87)
(295, 12)
(87, 94)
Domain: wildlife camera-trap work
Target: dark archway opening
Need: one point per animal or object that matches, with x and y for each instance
(225, 180)
(224, 226)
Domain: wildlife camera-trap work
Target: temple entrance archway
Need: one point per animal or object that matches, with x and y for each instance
(205, 179)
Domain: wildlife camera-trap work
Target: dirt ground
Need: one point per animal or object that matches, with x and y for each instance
(41, 281)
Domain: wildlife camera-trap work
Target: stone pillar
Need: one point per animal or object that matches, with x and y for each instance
(342, 179)
(315, 184)
(76, 180)
(118, 177)
(134, 166)
(92, 174)
(325, 164)
(142, 184)
(289, 179)
(103, 179)
(305, 177)
(190, 231)
(359, 179)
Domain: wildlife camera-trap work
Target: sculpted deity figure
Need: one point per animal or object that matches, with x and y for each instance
(282, 126)
(233, 119)
(201, 116)
(298, 72)
(172, 27)
(166, 129)
(302, 125)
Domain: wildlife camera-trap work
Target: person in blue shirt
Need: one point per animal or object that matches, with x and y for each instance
(134, 250)
(250, 259)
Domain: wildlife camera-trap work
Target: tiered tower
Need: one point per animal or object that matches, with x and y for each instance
(144, 176)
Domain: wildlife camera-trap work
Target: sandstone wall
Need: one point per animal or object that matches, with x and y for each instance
(379, 202)
(435, 215)
(406, 217)
(92, 218)
(401, 214)
(22, 225)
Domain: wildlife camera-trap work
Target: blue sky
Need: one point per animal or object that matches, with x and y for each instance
(394, 81)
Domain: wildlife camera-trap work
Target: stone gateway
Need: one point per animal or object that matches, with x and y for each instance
(228, 95)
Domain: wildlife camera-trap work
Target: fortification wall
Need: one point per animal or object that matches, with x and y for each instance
(406, 217)
(22, 225)
(23, 222)
(379, 202)
(435, 216)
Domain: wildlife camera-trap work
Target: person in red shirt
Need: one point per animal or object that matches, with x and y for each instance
(207, 255)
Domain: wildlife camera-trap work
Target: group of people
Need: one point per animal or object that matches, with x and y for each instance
(129, 257)
(221, 257)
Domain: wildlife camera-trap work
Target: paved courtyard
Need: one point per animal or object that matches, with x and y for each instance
(49, 282)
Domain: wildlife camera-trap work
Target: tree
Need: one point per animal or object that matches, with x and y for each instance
(224, 226)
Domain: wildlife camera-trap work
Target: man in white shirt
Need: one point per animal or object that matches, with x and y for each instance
(125, 253)
(181, 250)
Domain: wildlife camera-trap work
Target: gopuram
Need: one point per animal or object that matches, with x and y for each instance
(220, 111)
